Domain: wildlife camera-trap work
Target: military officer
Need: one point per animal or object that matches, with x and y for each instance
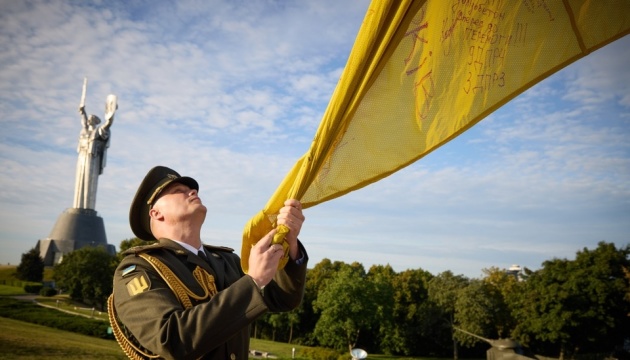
(181, 299)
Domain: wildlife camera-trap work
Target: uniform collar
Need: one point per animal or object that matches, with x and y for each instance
(188, 246)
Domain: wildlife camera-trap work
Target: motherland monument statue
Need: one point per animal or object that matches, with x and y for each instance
(80, 225)
(92, 149)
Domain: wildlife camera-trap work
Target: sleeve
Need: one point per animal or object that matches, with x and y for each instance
(286, 290)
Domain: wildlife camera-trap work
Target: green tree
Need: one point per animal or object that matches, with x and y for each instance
(418, 321)
(580, 304)
(444, 289)
(346, 308)
(316, 279)
(293, 319)
(276, 321)
(281, 325)
(31, 267)
(484, 307)
(384, 335)
(475, 311)
(507, 291)
(87, 275)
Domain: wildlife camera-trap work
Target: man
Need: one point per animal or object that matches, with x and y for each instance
(181, 299)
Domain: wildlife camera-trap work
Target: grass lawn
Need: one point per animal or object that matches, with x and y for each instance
(283, 351)
(6, 290)
(26, 341)
(6, 278)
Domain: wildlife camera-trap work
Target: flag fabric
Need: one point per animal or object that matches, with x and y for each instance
(420, 73)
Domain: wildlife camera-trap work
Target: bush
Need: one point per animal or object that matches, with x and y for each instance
(320, 354)
(47, 291)
(33, 288)
(29, 312)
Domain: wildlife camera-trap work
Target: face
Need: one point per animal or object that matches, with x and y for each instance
(178, 201)
(93, 120)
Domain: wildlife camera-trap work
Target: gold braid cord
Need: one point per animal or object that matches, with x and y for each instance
(183, 293)
(131, 350)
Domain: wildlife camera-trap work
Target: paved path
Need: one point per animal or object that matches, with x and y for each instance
(33, 297)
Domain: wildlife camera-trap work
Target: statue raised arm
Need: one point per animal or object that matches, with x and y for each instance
(110, 108)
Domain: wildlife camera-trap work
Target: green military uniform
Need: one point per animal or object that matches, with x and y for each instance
(213, 328)
(170, 303)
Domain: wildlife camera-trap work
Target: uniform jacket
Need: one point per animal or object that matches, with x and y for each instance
(217, 328)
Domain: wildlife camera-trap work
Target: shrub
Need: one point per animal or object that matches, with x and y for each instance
(320, 354)
(47, 291)
(33, 288)
(29, 312)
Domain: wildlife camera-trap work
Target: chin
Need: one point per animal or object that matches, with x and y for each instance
(200, 212)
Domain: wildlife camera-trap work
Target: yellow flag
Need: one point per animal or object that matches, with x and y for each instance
(422, 72)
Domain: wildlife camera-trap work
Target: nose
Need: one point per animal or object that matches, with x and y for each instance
(192, 192)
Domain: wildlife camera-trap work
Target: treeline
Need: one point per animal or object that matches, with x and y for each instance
(567, 308)
(564, 309)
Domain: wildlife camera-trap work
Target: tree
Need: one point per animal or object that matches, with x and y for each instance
(418, 320)
(580, 304)
(346, 308)
(444, 290)
(506, 289)
(87, 275)
(293, 318)
(276, 321)
(31, 267)
(475, 311)
(316, 279)
(382, 281)
(282, 322)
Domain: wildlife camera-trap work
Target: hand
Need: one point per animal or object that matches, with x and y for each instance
(264, 259)
(111, 105)
(291, 216)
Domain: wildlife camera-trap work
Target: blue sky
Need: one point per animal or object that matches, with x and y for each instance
(231, 93)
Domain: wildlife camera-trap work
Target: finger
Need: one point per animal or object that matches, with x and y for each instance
(266, 240)
(275, 248)
(274, 259)
(290, 211)
(292, 219)
(294, 204)
(292, 223)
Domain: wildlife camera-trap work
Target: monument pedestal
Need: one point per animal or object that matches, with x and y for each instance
(74, 229)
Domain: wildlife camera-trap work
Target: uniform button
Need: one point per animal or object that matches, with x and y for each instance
(233, 356)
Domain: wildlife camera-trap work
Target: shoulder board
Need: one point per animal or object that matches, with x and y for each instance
(143, 248)
(218, 248)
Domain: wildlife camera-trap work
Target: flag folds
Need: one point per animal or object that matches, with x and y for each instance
(422, 72)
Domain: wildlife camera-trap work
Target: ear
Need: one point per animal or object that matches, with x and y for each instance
(156, 214)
